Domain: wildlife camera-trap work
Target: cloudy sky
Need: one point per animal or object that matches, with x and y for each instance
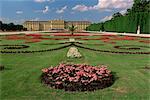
(18, 11)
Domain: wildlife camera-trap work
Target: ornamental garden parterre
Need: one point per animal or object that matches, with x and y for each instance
(76, 72)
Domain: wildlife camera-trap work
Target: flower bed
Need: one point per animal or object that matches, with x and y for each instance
(77, 77)
(145, 41)
(33, 40)
(125, 38)
(15, 37)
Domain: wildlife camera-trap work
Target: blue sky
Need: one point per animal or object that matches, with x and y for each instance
(18, 11)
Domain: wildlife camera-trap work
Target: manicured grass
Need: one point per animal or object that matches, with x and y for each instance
(21, 78)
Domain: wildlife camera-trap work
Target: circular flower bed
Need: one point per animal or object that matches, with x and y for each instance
(35, 51)
(77, 77)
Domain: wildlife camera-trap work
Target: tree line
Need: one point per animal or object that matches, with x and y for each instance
(138, 15)
(11, 27)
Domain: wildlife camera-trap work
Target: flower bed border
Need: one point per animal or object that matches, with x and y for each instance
(108, 51)
(74, 44)
(130, 48)
(15, 46)
(38, 51)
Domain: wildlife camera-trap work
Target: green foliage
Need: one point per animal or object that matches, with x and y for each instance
(141, 6)
(11, 27)
(118, 14)
(129, 23)
(138, 15)
(96, 27)
(72, 29)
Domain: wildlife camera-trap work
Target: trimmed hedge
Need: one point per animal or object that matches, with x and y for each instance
(127, 23)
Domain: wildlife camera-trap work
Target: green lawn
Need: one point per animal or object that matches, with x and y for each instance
(21, 78)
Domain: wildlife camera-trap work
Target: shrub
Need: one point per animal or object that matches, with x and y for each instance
(77, 77)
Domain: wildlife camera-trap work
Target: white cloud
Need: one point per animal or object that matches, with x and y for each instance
(106, 18)
(46, 9)
(122, 4)
(35, 19)
(105, 4)
(59, 11)
(108, 10)
(15, 21)
(123, 11)
(41, 1)
(19, 12)
(81, 8)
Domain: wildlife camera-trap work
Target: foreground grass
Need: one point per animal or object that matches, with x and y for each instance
(21, 78)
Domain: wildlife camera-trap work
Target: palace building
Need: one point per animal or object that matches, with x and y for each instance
(54, 25)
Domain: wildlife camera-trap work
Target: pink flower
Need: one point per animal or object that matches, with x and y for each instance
(108, 72)
(94, 77)
(71, 79)
(80, 73)
(58, 82)
(45, 70)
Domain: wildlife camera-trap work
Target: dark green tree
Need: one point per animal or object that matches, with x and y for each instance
(1, 25)
(102, 27)
(11, 27)
(141, 6)
(19, 27)
(118, 14)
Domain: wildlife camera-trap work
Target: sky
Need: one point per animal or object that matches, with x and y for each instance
(18, 11)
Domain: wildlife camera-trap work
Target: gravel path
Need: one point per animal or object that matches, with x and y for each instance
(93, 33)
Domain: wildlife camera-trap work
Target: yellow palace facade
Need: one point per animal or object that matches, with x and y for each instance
(54, 25)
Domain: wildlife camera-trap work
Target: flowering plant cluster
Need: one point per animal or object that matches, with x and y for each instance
(107, 38)
(125, 38)
(15, 37)
(77, 77)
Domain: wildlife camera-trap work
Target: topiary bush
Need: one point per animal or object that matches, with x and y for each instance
(77, 77)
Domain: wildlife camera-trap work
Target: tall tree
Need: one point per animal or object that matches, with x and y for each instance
(141, 6)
